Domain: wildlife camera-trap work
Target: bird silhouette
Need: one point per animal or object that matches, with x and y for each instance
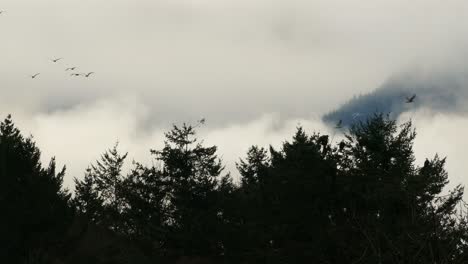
(70, 69)
(200, 123)
(410, 99)
(75, 74)
(88, 74)
(34, 76)
(55, 60)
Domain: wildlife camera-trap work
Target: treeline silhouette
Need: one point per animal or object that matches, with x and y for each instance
(361, 200)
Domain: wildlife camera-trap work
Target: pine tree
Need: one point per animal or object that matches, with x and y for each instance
(253, 166)
(34, 204)
(99, 195)
(396, 210)
(191, 171)
(144, 192)
(87, 199)
(287, 198)
(364, 200)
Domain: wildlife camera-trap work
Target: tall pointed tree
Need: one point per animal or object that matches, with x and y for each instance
(99, 195)
(191, 171)
(396, 209)
(87, 199)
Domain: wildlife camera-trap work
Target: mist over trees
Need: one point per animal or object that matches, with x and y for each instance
(360, 200)
(442, 92)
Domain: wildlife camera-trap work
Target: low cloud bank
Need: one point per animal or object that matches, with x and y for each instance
(81, 134)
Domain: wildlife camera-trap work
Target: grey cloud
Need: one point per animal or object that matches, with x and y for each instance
(231, 61)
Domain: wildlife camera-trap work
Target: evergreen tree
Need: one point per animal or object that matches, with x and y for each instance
(191, 171)
(289, 192)
(396, 210)
(253, 167)
(145, 215)
(362, 201)
(34, 205)
(87, 199)
(99, 195)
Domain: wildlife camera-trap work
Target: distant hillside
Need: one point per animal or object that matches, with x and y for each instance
(439, 92)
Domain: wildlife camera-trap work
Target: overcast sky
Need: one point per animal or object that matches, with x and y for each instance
(255, 69)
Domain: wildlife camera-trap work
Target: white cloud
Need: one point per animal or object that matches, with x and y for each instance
(442, 134)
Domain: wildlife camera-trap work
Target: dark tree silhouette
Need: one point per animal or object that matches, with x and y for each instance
(99, 195)
(87, 200)
(191, 172)
(361, 200)
(396, 212)
(33, 203)
(289, 198)
(146, 214)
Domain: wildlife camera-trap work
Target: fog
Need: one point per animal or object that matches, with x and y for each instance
(254, 69)
(442, 91)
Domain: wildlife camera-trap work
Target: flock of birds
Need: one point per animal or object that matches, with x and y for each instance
(86, 75)
(339, 125)
(56, 60)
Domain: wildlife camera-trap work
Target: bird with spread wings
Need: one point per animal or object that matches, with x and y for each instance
(410, 99)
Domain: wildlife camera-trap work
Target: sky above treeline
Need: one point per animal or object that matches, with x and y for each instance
(254, 69)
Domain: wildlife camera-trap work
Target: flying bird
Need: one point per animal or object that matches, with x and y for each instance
(75, 74)
(410, 99)
(34, 76)
(88, 74)
(70, 69)
(200, 122)
(55, 60)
